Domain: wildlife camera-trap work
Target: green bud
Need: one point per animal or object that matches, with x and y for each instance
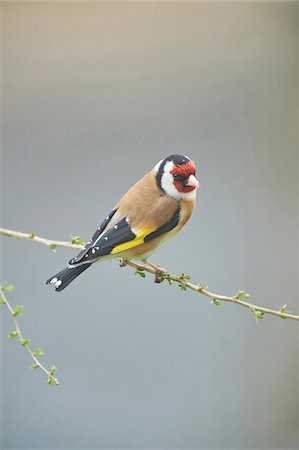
(8, 288)
(184, 276)
(53, 370)
(259, 315)
(18, 310)
(38, 352)
(53, 247)
(166, 276)
(76, 240)
(12, 335)
(242, 294)
(216, 302)
(140, 272)
(283, 309)
(25, 342)
(34, 366)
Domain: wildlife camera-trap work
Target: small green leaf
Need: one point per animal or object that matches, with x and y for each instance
(38, 352)
(259, 315)
(76, 240)
(140, 272)
(184, 277)
(182, 287)
(34, 366)
(283, 309)
(53, 247)
(12, 334)
(18, 310)
(8, 288)
(242, 294)
(25, 342)
(51, 381)
(52, 370)
(216, 302)
(2, 302)
(166, 276)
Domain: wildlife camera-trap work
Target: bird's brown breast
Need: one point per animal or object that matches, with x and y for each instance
(145, 205)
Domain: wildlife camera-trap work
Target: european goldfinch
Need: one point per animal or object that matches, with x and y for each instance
(153, 210)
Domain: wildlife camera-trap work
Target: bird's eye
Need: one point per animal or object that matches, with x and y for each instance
(176, 176)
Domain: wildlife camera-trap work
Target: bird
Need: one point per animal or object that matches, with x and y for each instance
(153, 210)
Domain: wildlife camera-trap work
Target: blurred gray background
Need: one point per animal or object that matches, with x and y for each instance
(94, 94)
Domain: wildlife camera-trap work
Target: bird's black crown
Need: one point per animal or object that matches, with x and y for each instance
(178, 160)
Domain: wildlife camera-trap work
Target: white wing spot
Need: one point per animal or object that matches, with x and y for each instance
(106, 238)
(93, 250)
(107, 218)
(116, 227)
(97, 248)
(86, 255)
(58, 283)
(53, 281)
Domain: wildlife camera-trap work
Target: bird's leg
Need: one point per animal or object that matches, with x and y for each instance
(158, 271)
(123, 262)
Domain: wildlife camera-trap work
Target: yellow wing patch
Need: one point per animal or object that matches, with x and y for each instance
(138, 240)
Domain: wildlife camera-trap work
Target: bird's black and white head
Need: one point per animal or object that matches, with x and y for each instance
(175, 176)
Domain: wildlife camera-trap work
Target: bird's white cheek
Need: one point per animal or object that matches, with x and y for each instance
(168, 186)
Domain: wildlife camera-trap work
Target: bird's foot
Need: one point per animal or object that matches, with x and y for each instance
(123, 262)
(158, 272)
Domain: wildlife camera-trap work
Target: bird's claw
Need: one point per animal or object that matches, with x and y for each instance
(158, 272)
(123, 262)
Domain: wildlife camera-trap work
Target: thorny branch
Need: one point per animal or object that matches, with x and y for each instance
(25, 342)
(183, 280)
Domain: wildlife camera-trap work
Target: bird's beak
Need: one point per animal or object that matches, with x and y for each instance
(192, 181)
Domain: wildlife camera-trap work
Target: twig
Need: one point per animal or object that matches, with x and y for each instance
(39, 240)
(25, 342)
(182, 281)
(202, 290)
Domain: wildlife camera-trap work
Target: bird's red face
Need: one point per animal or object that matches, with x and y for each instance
(175, 176)
(184, 177)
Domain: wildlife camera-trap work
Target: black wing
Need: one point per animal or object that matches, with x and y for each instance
(111, 241)
(95, 236)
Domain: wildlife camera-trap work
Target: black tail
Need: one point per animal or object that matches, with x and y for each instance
(62, 279)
